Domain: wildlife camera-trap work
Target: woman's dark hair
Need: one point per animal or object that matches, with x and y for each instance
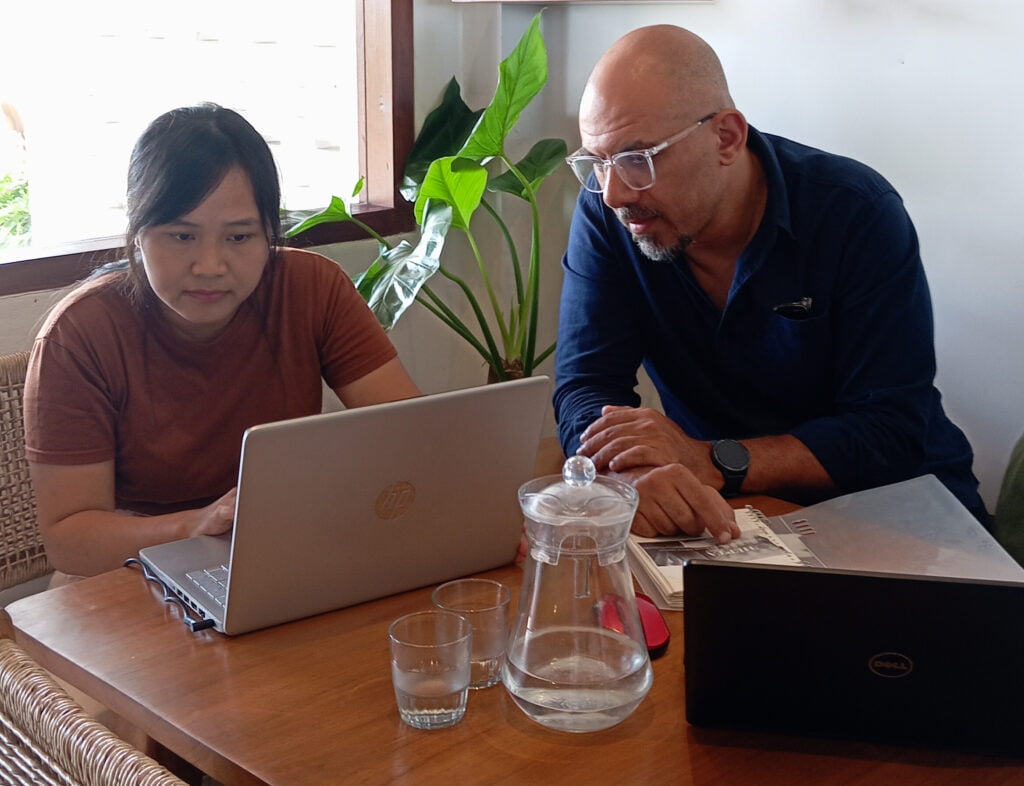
(181, 158)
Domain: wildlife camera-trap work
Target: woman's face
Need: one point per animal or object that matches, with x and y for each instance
(203, 265)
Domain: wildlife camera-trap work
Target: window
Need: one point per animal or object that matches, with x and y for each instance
(380, 71)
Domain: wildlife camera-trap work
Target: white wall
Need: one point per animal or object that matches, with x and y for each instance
(926, 91)
(20, 317)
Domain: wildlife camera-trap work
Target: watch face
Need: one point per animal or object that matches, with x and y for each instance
(732, 455)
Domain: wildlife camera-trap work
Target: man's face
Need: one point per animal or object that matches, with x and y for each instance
(665, 218)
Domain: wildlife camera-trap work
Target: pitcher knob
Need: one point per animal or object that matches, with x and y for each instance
(578, 471)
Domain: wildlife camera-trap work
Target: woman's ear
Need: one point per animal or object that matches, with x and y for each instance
(731, 127)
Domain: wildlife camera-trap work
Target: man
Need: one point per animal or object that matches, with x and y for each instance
(774, 293)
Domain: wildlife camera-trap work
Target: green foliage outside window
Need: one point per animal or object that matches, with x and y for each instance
(15, 218)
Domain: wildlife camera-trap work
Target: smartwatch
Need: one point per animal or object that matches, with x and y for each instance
(733, 460)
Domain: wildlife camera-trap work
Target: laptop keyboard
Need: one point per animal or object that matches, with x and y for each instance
(213, 581)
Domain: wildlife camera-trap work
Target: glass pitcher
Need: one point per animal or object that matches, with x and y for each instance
(576, 659)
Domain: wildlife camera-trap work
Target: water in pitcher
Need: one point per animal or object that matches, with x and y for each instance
(572, 686)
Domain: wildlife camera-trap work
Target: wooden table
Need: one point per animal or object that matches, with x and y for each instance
(311, 703)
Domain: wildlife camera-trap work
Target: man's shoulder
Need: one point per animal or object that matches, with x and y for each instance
(812, 166)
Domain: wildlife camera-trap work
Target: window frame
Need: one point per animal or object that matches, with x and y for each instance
(386, 134)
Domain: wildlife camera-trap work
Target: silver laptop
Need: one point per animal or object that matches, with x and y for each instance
(345, 507)
(895, 658)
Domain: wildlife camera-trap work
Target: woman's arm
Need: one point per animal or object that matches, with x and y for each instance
(390, 382)
(84, 535)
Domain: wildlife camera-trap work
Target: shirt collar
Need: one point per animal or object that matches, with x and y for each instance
(776, 209)
(776, 218)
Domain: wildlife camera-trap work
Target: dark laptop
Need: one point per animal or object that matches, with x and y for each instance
(886, 657)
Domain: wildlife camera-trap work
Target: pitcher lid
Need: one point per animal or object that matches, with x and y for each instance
(578, 494)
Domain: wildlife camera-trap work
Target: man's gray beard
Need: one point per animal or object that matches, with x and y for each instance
(648, 248)
(658, 253)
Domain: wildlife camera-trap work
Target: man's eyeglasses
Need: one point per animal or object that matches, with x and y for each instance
(635, 168)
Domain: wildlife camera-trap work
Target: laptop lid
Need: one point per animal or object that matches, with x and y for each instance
(879, 656)
(345, 507)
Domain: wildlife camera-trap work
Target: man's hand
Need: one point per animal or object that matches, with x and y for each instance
(626, 438)
(672, 499)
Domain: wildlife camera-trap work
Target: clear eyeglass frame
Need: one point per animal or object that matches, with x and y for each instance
(635, 168)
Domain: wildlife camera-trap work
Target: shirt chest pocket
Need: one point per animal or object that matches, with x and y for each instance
(791, 359)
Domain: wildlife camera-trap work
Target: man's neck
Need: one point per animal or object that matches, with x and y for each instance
(713, 263)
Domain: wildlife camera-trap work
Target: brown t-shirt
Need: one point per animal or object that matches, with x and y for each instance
(108, 380)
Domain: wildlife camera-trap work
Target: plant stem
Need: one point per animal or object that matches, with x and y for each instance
(498, 313)
(495, 353)
(530, 305)
(511, 248)
(371, 232)
(433, 303)
(543, 355)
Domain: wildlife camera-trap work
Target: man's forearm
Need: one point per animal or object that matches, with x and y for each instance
(782, 462)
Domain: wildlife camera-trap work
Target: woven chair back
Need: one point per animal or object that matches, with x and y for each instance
(22, 556)
(46, 738)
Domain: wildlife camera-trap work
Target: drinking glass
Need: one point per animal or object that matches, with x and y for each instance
(485, 604)
(430, 667)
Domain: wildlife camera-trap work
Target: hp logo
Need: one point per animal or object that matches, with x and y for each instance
(394, 500)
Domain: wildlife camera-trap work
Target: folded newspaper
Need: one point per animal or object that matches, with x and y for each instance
(657, 562)
(914, 527)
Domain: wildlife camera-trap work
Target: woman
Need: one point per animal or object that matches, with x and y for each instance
(143, 379)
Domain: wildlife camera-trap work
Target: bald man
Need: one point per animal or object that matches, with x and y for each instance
(773, 292)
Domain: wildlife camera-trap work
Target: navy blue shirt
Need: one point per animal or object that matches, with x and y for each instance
(851, 375)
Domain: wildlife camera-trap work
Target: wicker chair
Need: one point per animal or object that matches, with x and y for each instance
(45, 736)
(22, 556)
(48, 739)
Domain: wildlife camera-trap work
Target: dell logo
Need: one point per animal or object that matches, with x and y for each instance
(394, 500)
(890, 664)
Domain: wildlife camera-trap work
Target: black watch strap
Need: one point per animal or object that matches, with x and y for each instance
(732, 459)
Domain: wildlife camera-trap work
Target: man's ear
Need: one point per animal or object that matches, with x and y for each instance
(731, 127)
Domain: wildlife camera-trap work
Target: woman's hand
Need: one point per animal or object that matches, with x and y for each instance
(217, 517)
(523, 551)
(84, 534)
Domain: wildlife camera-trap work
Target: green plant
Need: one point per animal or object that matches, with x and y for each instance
(456, 161)
(15, 218)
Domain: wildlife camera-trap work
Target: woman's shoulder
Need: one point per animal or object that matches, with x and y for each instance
(301, 269)
(298, 261)
(101, 298)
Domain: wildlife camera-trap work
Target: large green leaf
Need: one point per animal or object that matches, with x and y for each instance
(336, 211)
(391, 283)
(544, 158)
(444, 132)
(457, 182)
(521, 76)
(367, 280)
